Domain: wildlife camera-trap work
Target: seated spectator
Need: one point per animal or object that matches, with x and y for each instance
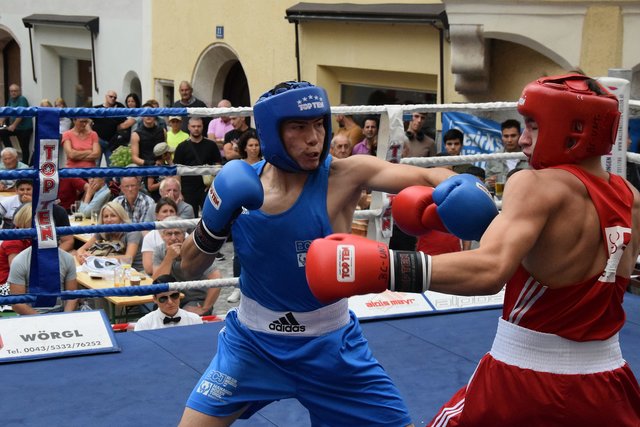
(166, 260)
(10, 248)
(168, 312)
(24, 190)
(144, 139)
(164, 208)
(70, 190)
(249, 147)
(19, 282)
(164, 157)
(175, 134)
(115, 244)
(138, 206)
(10, 204)
(341, 146)
(81, 145)
(95, 196)
(170, 188)
(10, 161)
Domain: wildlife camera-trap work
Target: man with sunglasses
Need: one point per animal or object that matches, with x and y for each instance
(168, 312)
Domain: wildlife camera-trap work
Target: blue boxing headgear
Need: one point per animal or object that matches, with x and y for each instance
(287, 101)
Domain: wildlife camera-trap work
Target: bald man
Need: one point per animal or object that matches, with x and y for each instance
(220, 125)
(188, 100)
(341, 146)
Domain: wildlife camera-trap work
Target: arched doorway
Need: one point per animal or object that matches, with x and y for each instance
(236, 88)
(219, 75)
(10, 64)
(132, 85)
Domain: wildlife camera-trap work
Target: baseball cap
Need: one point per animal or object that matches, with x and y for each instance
(161, 148)
(175, 118)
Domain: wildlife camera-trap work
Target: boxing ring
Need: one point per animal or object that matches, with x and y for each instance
(148, 381)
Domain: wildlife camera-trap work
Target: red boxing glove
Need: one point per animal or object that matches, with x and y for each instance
(343, 265)
(414, 211)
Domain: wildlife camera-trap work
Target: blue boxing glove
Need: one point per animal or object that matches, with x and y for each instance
(236, 185)
(460, 205)
(465, 206)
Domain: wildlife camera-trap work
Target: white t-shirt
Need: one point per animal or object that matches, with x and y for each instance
(8, 207)
(155, 320)
(151, 241)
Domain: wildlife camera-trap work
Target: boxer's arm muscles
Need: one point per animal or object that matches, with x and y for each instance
(503, 246)
(194, 262)
(376, 174)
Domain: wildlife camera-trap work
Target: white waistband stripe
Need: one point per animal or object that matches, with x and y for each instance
(527, 349)
(310, 323)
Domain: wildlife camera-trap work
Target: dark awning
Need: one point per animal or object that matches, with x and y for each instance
(392, 13)
(91, 23)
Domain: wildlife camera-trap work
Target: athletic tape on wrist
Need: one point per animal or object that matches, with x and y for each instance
(410, 271)
(206, 241)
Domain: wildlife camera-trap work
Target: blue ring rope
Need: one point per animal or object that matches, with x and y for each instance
(93, 112)
(97, 172)
(27, 233)
(125, 291)
(47, 131)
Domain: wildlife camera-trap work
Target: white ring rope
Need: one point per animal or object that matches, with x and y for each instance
(633, 157)
(203, 284)
(458, 160)
(198, 170)
(367, 213)
(367, 109)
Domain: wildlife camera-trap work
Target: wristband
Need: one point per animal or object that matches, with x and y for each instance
(206, 241)
(410, 271)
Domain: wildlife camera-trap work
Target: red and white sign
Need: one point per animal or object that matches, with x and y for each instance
(393, 304)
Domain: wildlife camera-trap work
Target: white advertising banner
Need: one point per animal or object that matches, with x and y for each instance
(52, 335)
(397, 304)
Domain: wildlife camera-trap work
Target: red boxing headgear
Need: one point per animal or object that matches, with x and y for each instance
(577, 118)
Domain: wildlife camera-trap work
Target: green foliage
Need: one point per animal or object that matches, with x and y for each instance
(121, 157)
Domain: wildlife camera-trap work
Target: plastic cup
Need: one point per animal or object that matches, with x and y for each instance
(134, 280)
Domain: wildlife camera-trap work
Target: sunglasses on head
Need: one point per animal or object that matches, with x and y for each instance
(174, 296)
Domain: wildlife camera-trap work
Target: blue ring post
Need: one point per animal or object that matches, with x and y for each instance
(45, 270)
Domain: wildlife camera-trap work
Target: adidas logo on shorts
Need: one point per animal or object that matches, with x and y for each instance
(286, 323)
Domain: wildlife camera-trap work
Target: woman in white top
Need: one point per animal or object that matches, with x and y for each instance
(164, 208)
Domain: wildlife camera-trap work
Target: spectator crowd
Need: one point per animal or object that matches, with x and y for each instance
(87, 142)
